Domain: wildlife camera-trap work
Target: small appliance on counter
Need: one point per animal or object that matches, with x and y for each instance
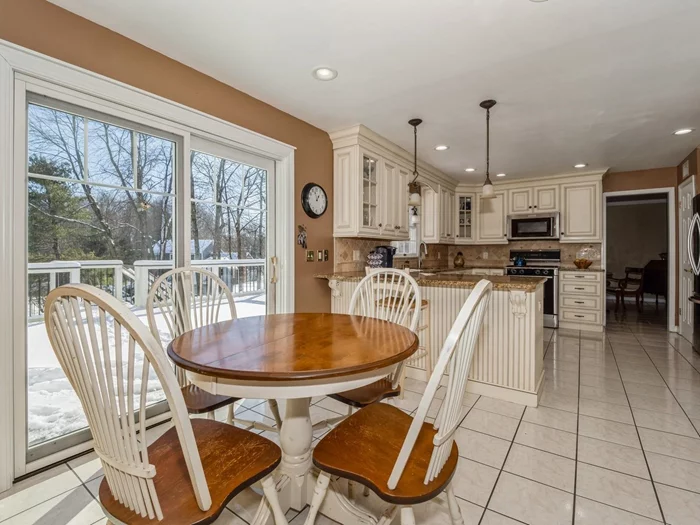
(540, 263)
(459, 260)
(387, 255)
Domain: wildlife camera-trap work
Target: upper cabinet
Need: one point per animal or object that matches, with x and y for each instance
(535, 199)
(371, 195)
(464, 227)
(581, 211)
(491, 219)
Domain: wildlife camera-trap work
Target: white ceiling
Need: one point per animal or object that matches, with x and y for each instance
(604, 82)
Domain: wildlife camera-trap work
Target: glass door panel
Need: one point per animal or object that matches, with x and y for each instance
(369, 191)
(100, 210)
(465, 217)
(232, 204)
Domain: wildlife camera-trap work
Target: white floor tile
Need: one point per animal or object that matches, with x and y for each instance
(680, 506)
(602, 410)
(670, 444)
(497, 406)
(675, 424)
(480, 447)
(474, 481)
(628, 460)
(615, 489)
(530, 501)
(73, 507)
(491, 423)
(608, 431)
(547, 439)
(675, 472)
(537, 465)
(589, 512)
(551, 417)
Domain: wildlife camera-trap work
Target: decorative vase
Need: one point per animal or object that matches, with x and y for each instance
(459, 260)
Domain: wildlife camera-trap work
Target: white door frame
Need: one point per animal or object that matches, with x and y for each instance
(688, 181)
(671, 193)
(85, 87)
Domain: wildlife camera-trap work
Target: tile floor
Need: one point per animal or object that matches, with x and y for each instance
(614, 441)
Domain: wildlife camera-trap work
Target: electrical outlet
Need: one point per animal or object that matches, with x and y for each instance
(325, 255)
(320, 256)
(484, 255)
(309, 256)
(356, 255)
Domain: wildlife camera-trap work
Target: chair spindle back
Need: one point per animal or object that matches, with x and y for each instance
(455, 358)
(106, 353)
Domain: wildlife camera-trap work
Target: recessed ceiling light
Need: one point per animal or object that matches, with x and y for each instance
(324, 73)
(470, 169)
(537, 1)
(441, 147)
(683, 131)
(500, 175)
(580, 165)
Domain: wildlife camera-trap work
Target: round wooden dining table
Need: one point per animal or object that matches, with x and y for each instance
(292, 357)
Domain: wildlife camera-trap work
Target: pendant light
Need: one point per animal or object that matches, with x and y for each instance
(487, 189)
(413, 186)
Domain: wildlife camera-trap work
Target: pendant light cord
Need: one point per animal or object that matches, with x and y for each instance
(488, 140)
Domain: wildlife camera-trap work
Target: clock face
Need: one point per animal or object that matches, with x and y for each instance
(314, 200)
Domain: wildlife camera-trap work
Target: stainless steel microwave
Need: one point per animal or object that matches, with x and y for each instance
(533, 226)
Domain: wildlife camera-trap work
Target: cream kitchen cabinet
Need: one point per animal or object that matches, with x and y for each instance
(581, 212)
(491, 219)
(437, 215)
(371, 195)
(447, 216)
(535, 199)
(464, 226)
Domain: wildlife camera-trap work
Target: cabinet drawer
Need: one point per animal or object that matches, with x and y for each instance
(588, 303)
(582, 276)
(580, 288)
(579, 316)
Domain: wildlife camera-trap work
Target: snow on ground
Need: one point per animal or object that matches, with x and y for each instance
(53, 409)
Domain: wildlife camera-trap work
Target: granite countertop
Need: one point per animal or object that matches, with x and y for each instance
(430, 278)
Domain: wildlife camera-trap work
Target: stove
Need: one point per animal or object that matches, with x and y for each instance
(541, 263)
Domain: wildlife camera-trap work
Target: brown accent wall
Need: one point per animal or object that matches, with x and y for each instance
(48, 29)
(640, 179)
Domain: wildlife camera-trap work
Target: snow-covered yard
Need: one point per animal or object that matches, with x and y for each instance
(53, 409)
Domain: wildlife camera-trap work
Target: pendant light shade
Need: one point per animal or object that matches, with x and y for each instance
(413, 186)
(487, 190)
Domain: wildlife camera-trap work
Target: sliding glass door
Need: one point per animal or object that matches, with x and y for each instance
(114, 203)
(232, 222)
(101, 204)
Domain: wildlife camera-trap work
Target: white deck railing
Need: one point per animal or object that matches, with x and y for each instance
(132, 283)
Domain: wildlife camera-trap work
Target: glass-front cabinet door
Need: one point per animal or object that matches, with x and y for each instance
(370, 190)
(464, 219)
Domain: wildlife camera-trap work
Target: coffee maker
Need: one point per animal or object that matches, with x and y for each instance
(387, 253)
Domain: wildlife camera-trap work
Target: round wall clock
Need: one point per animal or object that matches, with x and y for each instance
(314, 200)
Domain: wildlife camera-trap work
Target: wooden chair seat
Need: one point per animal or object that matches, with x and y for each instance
(232, 459)
(366, 395)
(200, 401)
(364, 448)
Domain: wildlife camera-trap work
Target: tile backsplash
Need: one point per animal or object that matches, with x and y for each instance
(442, 255)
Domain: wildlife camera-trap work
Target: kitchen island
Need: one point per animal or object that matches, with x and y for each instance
(508, 360)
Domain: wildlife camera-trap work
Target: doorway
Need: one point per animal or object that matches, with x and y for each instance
(639, 255)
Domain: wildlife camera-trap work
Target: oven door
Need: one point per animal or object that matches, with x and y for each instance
(533, 227)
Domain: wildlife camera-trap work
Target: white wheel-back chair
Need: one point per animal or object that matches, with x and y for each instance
(107, 354)
(454, 360)
(189, 298)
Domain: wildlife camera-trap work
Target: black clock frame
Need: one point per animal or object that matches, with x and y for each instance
(304, 200)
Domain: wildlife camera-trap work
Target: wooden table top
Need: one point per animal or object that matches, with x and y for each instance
(287, 347)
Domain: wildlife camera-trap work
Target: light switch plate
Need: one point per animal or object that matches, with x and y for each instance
(309, 256)
(356, 255)
(320, 256)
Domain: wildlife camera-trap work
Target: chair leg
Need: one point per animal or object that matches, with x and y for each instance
(407, 516)
(270, 491)
(274, 408)
(319, 493)
(453, 506)
(231, 413)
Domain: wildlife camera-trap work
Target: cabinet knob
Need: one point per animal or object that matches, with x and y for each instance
(380, 224)
(535, 206)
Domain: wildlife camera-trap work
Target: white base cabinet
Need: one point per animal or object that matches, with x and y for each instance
(581, 300)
